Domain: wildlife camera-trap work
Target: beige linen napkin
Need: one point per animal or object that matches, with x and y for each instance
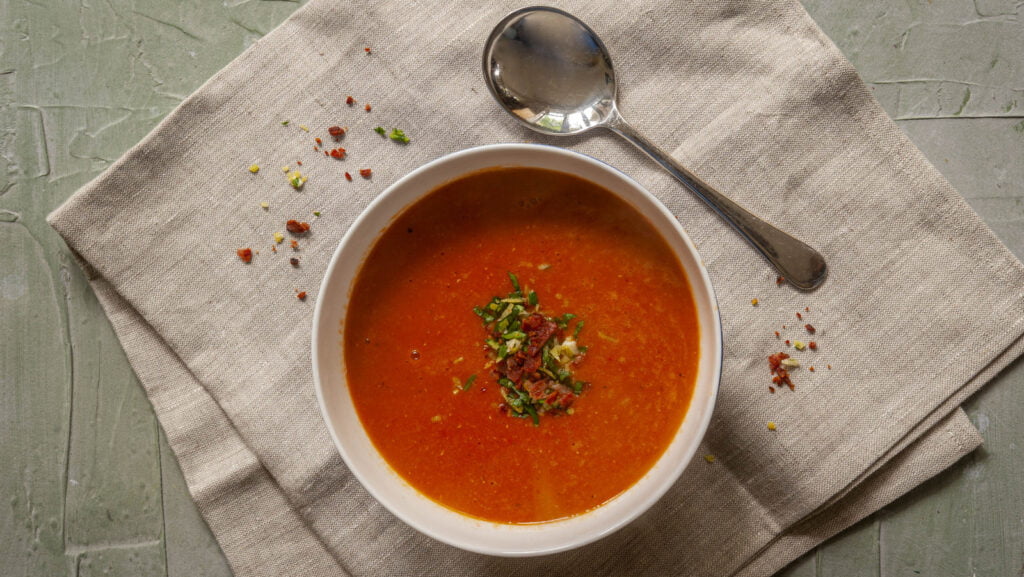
(922, 306)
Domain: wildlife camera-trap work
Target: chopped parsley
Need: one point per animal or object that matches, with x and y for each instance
(398, 136)
(534, 359)
(380, 130)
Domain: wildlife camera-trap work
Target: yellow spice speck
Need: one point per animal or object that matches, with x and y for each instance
(286, 169)
(799, 345)
(254, 168)
(709, 458)
(264, 204)
(753, 302)
(771, 425)
(278, 237)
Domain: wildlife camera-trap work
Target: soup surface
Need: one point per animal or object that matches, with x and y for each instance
(411, 337)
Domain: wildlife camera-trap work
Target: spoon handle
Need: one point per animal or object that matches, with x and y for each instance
(798, 263)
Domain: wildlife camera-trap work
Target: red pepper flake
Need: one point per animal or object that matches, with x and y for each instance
(367, 108)
(295, 244)
(273, 248)
(338, 153)
(348, 177)
(771, 390)
(787, 342)
(367, 50)
(779, 372)
(299, 162)
(316, 149)
(810, 328)
(317, 139)
(807, 309)
(783, 327)
(327, 153)
(829, 367)
(779, 280)
(294, 262)
(296, 227)
(813, 345)
(799, 316)
(301, 296)
(245, 254)
(811, 368)
(777, 335)
(350, 101)
(336, 132)
(365, 172)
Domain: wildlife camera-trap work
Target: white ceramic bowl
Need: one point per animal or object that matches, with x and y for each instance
(377, 476)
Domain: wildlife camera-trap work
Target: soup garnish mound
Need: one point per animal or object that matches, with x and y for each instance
(532, 358)
(573, 246)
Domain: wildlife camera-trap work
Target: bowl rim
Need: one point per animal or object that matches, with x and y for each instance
(696, 436)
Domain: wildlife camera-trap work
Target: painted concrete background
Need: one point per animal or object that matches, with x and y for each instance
(88, 484)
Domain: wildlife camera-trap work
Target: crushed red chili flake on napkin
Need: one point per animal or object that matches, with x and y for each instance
(780, 369)
(365, 172)
(245, 254)
(296, 227)
(336, 132)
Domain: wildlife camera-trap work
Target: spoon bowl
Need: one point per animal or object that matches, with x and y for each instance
(553, 74)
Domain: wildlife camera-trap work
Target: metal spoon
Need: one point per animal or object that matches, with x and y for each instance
(553, 74)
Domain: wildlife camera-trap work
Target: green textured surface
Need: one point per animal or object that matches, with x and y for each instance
(89, 485)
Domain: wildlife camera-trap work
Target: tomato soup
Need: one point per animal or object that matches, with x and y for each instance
(412, 344)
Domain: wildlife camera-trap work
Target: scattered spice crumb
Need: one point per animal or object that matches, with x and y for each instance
(799, 316)
(829, 367)
(273, 248)
(810, 328)
(254, 168)
(709, 458)
(780, 375)
(799, 345)
(771, 426)
(349, 100)
(299, 162)
(813, 345)
(365, 172)
(296, 179)
(777, 335)
(787, 342)
(245, 254)
(753, 302)
(367, 108)
(338, 153)
(771, 390)
(301, 296)
(790, 363)
(348, 177)
(278, 237)
(783, 327)
(294, 244)
(779, 280)
(294, 262)
(296, 227)
(367, 50)
(811, 368)
(336, 132)
(318, 140)
(543, 266)
(264, 205)
(807, 309)
(304, 127)
(286, 169)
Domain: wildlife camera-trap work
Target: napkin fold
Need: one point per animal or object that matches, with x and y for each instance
(923, 304)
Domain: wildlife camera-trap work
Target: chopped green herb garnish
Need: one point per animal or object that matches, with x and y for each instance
(533, 357)
(398, 136)
(285, 122)
(469, 382)
(380, 130)
(316, 213)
